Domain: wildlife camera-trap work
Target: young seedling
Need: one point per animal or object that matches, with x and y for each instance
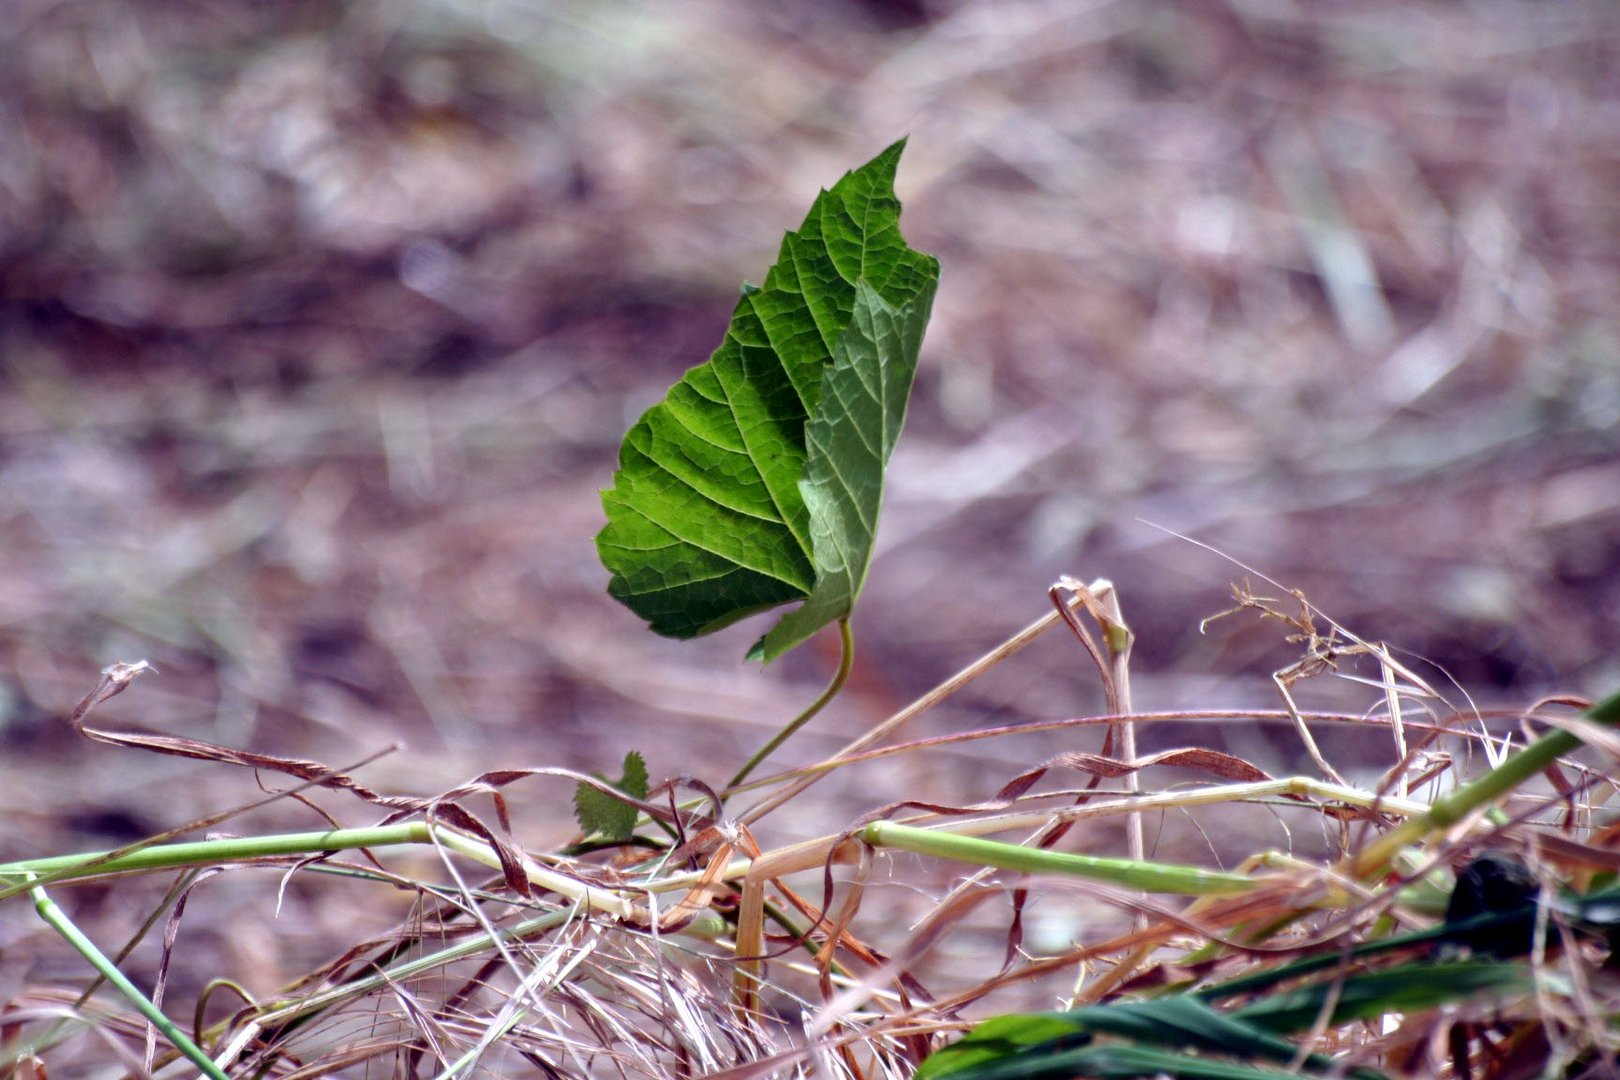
(757, 481)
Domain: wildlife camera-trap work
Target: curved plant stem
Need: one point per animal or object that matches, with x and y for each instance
(807, 775)
(846, 660)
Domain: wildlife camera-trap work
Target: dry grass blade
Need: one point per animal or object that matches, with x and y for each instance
(488, 974)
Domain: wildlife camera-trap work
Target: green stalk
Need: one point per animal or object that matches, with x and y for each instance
(846, 660)
(59, 921)
(1450, 809)
(1146, 876)
(242, 849)
(203, 853)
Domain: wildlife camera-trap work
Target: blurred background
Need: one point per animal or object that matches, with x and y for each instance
(320, 325)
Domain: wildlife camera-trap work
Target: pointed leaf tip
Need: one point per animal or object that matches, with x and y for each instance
(600, 814)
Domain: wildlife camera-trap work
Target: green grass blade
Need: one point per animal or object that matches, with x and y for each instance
(998, 1039)
(59, 921)
(1436, 935)
(1403, 989)
(1185, 1022)
(1153, 1034)
(1029, 1044)
(1124, 1062)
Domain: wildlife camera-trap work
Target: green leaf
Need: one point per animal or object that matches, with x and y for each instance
(600, 814)
(997, 1038)
(1185, 1021)
(1408, 988)
(850, 439)
(1042, 1044)
(1131, 1062)
(756, 482)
